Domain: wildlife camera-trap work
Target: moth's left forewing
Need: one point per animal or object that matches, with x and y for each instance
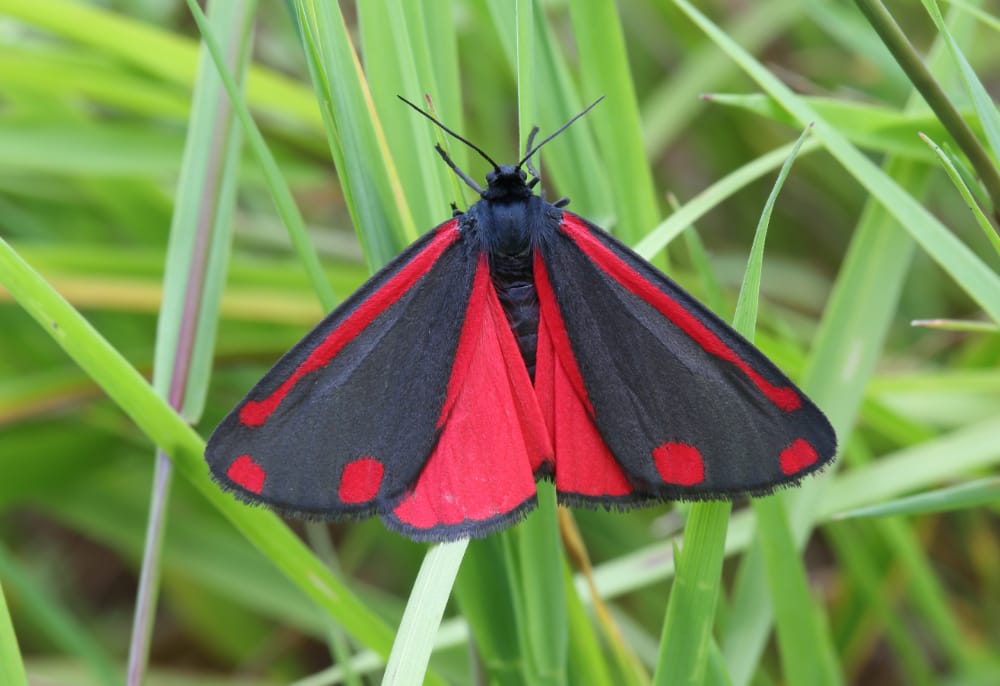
(666, 400)
(342, 425)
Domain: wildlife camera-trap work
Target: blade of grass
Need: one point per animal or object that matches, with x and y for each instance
(196, 266)
(368, 177)
(605, 71)
(411, 651)
(280, 192)
(983, 16)
(397, 62)
(136, 398)
(850, 337)
(745, 319)
(582, 634)
(968, 495)
(687, 626)
(486, 597)
(438, 19)
(975, 278)
(986, 109)
(11, 663)
(806, 649)
(684, 646)
(915, 467)
(897, 43)
(957, 325)
(587, 664)
(707, 199)
(573, 164)
(963, 190)
(804, 642)
(873, 127)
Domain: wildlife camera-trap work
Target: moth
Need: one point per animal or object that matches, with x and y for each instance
(515, 341)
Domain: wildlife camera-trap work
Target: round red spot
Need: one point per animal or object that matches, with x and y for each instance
(247, 473)
(796, 457)
(679, 463)
(360, 480)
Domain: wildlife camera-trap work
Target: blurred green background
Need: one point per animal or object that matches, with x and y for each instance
(94, 106)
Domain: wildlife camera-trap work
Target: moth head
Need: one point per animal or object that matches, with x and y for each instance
(507, 181)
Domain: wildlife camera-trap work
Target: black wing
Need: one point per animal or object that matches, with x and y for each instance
(649, 395)
(345, 420)
(410, 400)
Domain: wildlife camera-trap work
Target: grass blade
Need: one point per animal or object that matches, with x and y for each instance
(11, 664)
(280, 192)
(605, 70)
(964, 496)
(397, 62)
(686, 639)
(898, 44)
(968, 271)
(195, 273)
(986, 109)
(963, 190)
(411, 651)
(685, 644)
(703, 202)
(807, 655)
(137, 399)
(368, 177)
(805, 646)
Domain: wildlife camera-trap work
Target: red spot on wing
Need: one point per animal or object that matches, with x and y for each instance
(360, 480)
(784, 397)
(796, 457)
(247, 473)
(679, 463)
(584, 465)
(492, 429)
(256, 412)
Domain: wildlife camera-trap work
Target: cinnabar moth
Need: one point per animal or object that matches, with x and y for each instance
(514, 341)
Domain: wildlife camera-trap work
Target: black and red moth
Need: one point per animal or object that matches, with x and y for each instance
(514, 341)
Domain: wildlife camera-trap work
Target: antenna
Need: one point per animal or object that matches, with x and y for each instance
(532, 151)
(454, 135)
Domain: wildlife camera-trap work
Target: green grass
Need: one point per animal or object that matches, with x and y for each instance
(121, 194)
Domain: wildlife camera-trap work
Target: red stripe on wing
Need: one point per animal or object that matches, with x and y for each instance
(784, 397)
(256, 412)
(584, 465)
(493, 431)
